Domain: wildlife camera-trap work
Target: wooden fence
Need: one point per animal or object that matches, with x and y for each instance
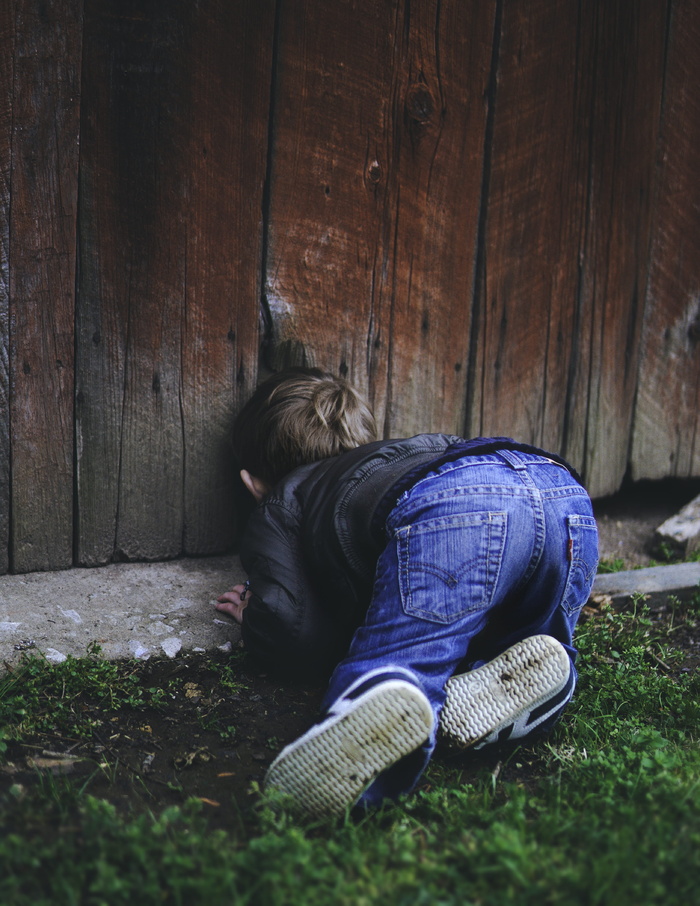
(485, 212)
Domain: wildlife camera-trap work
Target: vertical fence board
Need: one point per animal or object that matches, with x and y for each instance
(227, 122)
(568, 229)
(7, 31)
(624, 46)
(173, 166)
(131, 282)
(376, 185)
(327, 185)
(666, 436)
(43, 187)
(434, 137)
(527, 285)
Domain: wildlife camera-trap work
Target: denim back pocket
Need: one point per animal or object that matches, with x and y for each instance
(583, 562)
(449, 566)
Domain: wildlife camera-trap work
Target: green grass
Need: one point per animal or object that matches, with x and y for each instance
(605, 811)
(612, 566)
(74, 696)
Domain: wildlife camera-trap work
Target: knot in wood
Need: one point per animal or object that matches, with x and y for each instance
(420, 106)
(374, 172)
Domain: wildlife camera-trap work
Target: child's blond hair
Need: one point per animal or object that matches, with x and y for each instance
(299, 416)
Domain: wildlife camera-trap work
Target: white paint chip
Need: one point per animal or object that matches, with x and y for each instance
(71, 615)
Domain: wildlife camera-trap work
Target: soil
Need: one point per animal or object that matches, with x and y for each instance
(215, 744)
(628, 520)
(200, 741)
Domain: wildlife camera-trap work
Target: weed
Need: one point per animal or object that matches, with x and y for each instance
(72, 697)
(228, 674)
(612, 566)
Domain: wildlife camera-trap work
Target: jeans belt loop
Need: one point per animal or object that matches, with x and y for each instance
(512, 458)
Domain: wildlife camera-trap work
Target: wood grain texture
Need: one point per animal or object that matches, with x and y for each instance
(526, 301)
(225, 163)
(623, 45)
(175, 128)
(560, 302)
(130, 291)
(483, 213)
(43, 186)
(666, 437)
(375, 191)
(7, 42)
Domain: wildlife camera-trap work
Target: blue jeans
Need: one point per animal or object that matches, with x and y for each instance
(482, 553)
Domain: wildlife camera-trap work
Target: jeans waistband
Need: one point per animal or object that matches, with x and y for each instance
(519, 460)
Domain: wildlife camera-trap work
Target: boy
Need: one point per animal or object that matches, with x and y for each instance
(441, 578)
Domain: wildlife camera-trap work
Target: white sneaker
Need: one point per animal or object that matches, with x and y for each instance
(371, 726)
(510, 696)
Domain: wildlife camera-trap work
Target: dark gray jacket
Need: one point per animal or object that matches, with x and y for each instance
(311, 547)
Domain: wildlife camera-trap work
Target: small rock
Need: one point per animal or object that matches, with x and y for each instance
(55, 657)
(71, 615)
(171, 646)
(139, 650)
(681, 533)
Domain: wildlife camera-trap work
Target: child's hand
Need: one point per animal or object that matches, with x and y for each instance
(233, 602)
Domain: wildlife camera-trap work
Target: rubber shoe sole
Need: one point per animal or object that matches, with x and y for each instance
(325, 770)
(510, 696)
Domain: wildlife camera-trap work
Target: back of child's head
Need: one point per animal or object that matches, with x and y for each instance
(299, 416)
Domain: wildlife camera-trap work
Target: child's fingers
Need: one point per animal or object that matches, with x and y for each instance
(234, 595)
(228, 596)
(232, 606)
(233, 602)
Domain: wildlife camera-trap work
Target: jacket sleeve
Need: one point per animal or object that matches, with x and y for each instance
(285, 625)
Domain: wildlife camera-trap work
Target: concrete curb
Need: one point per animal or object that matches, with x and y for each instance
(136, 610)
(656, 583)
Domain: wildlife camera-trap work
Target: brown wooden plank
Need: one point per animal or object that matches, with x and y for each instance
(376, 180)
(44, 184)
(225, 161)
(132, 276)
(627, 43)
(568, 228)
(528, 272)
(7, 33)
(666, 437)
(173, 164)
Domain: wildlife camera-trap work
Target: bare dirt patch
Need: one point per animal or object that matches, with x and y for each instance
(628, 520)
(200, 741)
